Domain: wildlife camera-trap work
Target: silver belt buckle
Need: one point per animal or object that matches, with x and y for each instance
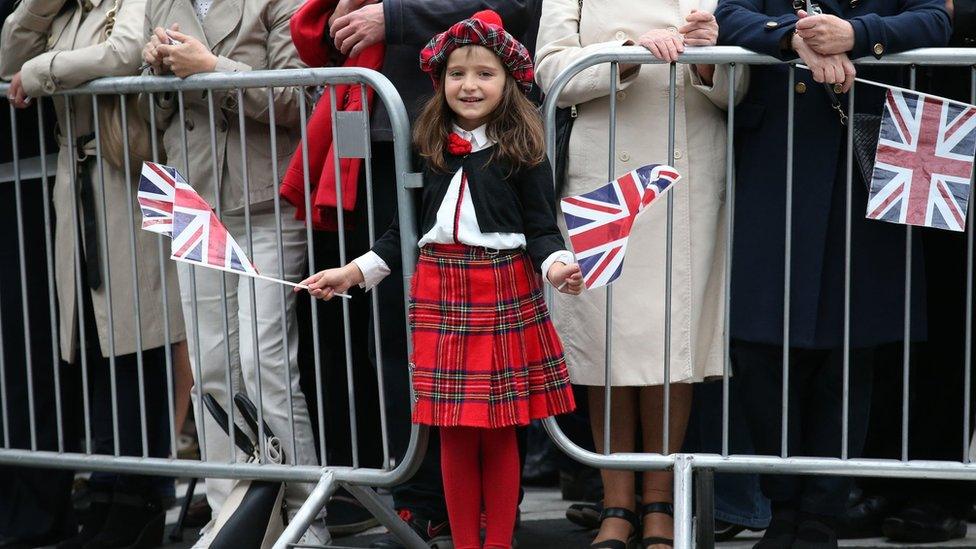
(492, 252)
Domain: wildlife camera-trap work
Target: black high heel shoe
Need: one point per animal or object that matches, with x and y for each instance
(619, 513)
(657, 507)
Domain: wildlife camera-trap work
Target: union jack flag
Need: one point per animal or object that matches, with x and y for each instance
(199, 237)
(599, 222)
(157, 187)
(924, 162)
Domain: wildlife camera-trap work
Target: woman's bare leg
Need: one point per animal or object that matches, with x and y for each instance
(618, 486)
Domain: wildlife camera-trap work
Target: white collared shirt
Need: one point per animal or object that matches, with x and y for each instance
(468, 232)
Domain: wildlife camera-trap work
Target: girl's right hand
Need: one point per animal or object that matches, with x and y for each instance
(325, 284)
(664, 44)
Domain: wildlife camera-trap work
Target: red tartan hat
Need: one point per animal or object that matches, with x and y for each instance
(481, 29)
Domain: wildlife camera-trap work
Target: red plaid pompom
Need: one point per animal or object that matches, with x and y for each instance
(482, 29)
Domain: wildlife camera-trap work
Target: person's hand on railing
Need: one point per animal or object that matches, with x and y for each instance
(664, 44)
(188, 56)
(15, 93)
(827, 69)
(151, 54)
(568, 279)
(825, 34)
(326, 284)
(701, 29)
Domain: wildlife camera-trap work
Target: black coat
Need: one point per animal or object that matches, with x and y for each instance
(819, 184)
(522, 202)
(410, 24)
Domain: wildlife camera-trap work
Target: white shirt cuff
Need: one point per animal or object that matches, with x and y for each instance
(374, 269)
(565, 256)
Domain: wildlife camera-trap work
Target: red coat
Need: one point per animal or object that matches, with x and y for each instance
(309, 32)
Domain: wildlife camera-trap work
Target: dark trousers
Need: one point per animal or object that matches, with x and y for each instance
(814, 421)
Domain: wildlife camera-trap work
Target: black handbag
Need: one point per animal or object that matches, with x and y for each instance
(253, 516)
(867, 129)
(564, 127)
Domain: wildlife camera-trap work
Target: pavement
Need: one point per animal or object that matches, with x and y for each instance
(544, 526)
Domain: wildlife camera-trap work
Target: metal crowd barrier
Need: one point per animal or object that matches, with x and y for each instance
(352, 139)
(685, 466)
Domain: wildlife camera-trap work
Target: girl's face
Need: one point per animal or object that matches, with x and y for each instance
(473, 84)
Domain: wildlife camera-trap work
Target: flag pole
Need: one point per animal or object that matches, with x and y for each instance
(253, 275)
(901, 89)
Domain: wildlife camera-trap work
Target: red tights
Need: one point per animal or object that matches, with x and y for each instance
(480, 466)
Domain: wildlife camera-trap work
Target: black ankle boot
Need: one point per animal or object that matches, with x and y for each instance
(133, 522)
(101, 502)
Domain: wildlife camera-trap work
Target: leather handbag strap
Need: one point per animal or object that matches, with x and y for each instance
(220, 416)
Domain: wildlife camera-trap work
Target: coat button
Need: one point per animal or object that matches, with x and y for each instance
(621, 35)
(878, 49)
(624, 157)
(621, 95)
(188, 124)
(800, 87)
(771, 24)
(677, 154)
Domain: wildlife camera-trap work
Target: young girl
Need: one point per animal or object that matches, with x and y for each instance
(486, 357)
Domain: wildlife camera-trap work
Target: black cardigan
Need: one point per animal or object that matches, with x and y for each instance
(521, 203)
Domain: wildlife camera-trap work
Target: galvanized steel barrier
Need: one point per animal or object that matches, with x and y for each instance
(685, 466)
(352, 139)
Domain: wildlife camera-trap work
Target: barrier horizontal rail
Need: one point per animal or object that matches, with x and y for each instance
(683, 464)
(327, 476)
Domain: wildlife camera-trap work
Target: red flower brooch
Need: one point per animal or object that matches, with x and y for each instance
(457, 145)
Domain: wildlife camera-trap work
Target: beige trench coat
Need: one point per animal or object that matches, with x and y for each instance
(55, 44)
(245, 35)
(698, 300)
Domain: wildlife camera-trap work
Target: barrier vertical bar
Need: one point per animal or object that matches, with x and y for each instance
(22, 257)
(845, 403)
(375, 298)
(225, 318)
(968, 358)
(906, 352)
(316, 351)
(730, 223)
(787, 278)
(669, 267)
(282, 297)
(262, 436)
(49, 255)
(683, 489)
(611, 173)
(346, 336)
(113, 378)
(79, 287)
(167, 337)
(137, 308)
(194, 304)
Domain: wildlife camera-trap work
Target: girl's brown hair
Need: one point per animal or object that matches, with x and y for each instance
(515, 126)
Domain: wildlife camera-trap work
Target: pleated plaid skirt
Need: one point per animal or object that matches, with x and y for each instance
(485, 353)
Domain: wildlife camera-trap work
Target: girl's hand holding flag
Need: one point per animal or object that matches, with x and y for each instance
(567, 279)
(333, 282)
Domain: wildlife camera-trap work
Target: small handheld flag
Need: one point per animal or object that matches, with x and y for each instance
(157, 189)
(924, 161)
(599, 222)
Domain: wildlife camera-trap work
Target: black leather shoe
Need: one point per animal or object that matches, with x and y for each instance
(436, 533)
(923, 523)
(864, 518)
(815, 533)
(586, 515)
(346, 516)
(619, 513)
(133, 522)
(101, 502)
(726, 531)
(781, 532)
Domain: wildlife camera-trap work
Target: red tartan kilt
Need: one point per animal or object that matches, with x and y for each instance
(485, 353)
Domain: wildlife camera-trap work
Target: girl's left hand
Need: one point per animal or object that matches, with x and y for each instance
(701, 29)
(189, 56)
(568, 279)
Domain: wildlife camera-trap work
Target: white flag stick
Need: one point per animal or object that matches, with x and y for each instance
(253, 275)
(899, 88)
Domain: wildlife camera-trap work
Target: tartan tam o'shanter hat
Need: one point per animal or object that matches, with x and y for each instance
(481, 29)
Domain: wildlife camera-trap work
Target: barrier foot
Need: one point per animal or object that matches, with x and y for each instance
(309, 510)
(705, 509)
(386, 516)
(683, 501)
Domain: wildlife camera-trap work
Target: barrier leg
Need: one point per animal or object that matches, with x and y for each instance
(705, 509)
(682, 501)
(386, 516)
(309, 510)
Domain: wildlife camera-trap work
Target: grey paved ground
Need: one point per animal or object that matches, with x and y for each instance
(544, 526)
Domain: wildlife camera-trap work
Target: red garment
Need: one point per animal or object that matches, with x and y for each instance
(485, 353)
(309, 32)
(480, 467)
